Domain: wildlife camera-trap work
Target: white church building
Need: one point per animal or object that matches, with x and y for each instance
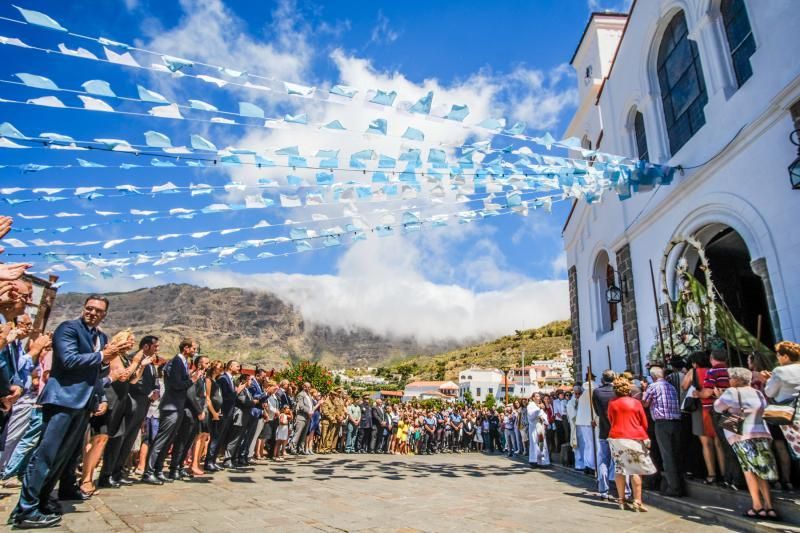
(711, 87)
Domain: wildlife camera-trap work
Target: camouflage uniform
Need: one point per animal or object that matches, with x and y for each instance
(327, 425)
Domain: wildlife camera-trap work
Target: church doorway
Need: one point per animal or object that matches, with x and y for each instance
(740, 288)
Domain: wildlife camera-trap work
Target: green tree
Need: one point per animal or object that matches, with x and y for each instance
(316, 374)
(468, 399)
(490, 401)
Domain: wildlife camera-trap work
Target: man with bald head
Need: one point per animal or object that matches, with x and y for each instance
(303, 411)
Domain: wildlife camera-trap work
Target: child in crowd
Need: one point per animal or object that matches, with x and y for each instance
(282, 435)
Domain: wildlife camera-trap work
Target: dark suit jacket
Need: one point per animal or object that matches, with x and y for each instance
(146, 384)
(8, 369)
(75, 375)
(228, 394)
(378, 416)
(176, 383)
(258, 395)
(196, 397)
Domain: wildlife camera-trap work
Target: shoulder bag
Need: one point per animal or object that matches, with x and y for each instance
(780, 414)
(733, 422)
(690, 403)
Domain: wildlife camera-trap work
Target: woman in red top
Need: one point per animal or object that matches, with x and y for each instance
(630, 446)
(702, 425)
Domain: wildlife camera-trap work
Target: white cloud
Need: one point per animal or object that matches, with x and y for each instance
(614, 6)
(559, 264)
(379, 286)
(211, 33)
(382, 33)
(398, 286)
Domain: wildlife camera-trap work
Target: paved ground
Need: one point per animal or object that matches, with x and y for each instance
(470, 492)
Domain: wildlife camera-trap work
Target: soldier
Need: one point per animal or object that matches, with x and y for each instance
(341, 416)
(327, 423)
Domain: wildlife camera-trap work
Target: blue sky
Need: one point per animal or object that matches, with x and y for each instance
(502, 58)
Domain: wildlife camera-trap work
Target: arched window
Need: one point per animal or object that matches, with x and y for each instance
(640, 135)
(683, 90)
(606, 313)
(740, 38)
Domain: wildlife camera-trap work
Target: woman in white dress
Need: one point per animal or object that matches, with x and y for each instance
(538, 454)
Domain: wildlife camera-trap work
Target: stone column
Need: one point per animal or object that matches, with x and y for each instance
(630, 324)
(759, 267)
(574, 316)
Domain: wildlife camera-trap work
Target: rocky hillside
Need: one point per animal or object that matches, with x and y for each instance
(255, 327)
(539, 343)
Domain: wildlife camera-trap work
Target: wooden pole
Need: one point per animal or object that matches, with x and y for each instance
(670, 333)
(658, 316)
(591, 411)
(759, 323)
(608, 351)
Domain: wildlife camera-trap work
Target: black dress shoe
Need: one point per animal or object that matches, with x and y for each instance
(107, 482)
(185, 474)
(51, 507)
(174, 476)
(124, 481)
(151, 479)
(74, 495)
(36, 520)
(164, 479)
(228, 464)
(212, 467)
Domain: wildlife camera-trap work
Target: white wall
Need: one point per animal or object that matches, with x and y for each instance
(746, 186)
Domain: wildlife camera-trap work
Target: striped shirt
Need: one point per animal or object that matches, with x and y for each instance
(663, 400)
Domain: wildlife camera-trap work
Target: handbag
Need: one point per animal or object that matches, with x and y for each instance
(690, 403)
(730, 421)
(780, 415)
(792, 434)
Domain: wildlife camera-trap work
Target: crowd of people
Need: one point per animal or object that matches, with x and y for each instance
(698, 418)
(82, 412)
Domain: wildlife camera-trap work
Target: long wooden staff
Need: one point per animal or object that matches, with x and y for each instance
(591, 411)
(658, 316)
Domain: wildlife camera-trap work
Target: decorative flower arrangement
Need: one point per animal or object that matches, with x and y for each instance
(694, 311)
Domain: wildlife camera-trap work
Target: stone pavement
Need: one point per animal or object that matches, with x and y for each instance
(470, 492)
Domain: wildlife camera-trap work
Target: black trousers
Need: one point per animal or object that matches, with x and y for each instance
(220, 430)
(364, 439)
(184, 439)
(377, 439)
(494, 439)
(54, 459)
(270, 444)
(169, 423)
(428, 441)
(249, 424)
(668, 437)
(133, 426)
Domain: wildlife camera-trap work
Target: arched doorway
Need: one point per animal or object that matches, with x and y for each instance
(740, 288)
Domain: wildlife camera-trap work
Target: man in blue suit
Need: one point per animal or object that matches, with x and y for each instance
(72, 393)
(177, 381)
(229, 390)
(250, 421)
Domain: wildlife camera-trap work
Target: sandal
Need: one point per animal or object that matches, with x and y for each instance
(753, 513)
(638, 507)
(621, 503)
(709, 481)
(774, 516)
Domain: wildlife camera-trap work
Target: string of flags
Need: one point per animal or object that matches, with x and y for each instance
(342, 197)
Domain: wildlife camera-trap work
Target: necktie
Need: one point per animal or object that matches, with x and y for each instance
(95, 339)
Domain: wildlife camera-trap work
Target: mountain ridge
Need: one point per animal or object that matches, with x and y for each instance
(256, 327)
